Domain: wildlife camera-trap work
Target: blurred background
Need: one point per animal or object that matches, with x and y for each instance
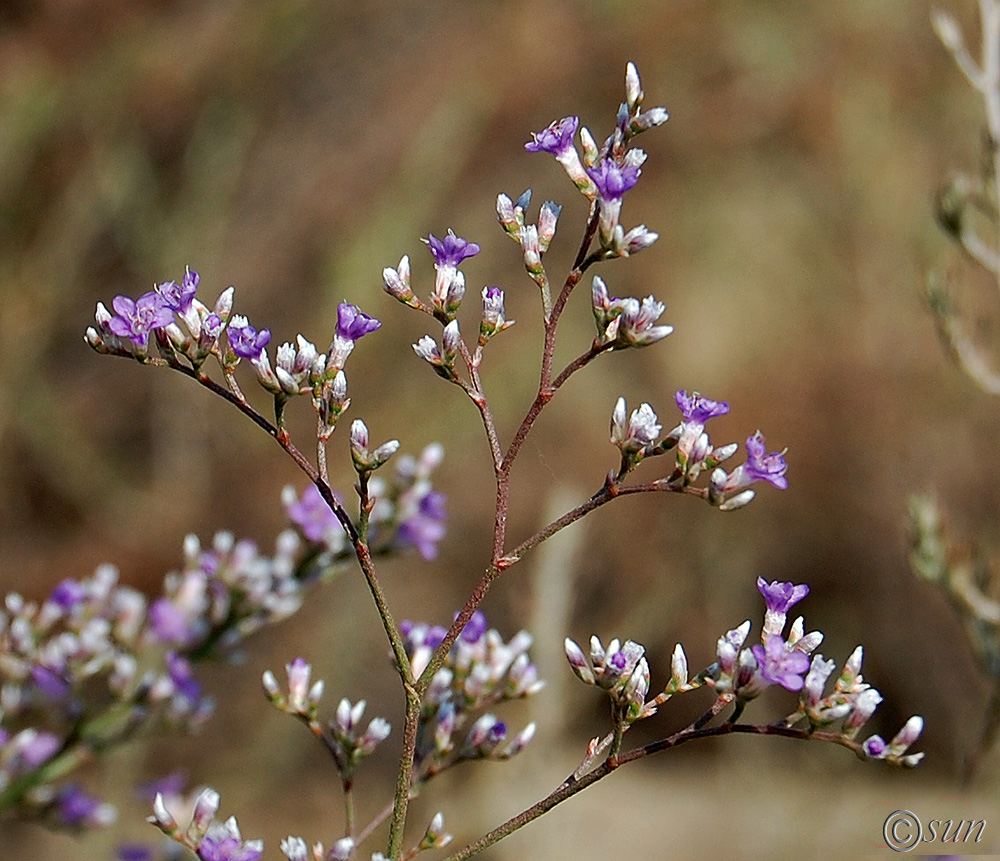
(294, 148)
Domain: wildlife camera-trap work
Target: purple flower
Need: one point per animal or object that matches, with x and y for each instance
(779, 664)
(474, 628)
(169, 624)
(68, 594)
(420, 635)
(176, 296)
(761, 466)
(452, 250)
(37, 747)
(50, 682)
(311, 514)
(779, 597)
(184, 681)
(698, 409)
(76, 808)
(245, 341)
(352, 324)
(875, 747)
(557, 138)
(425, 528)
(137, 319)
(613, 181)
(220, 845)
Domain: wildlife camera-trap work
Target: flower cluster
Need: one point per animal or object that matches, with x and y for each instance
(186, 332)
(408, 512)
(225, 592)
(454, 680)
(637, 436)
(605, 174)
(620, 669)
(73, 682)
(209, 839)
(741, 673)
(479, 672)
(623, 323)
(789, 660)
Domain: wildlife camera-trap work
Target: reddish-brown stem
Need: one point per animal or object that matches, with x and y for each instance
(571, 786)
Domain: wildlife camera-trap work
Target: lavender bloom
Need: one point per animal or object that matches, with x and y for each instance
(452, 250)
(761, 466)
(779, 664)
(171, 625)
(692, 441)
(556, 138)
(178, 297)
(426, 527)
(76, 809)
(449, 283)
(52, 683)
(779, 597)
(613, 181)
(137, 319)
(68, 594)
(244, 340)
(31, 748)
(224, 843)
(474, 628)
(185, 684)
(352, 324)
(311, 514)
(697, 409)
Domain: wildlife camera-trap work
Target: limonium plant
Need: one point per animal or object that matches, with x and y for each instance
(96, 663)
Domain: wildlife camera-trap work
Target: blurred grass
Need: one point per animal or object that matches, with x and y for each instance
(295, 149)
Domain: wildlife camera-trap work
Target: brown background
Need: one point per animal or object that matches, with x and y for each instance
(294, 149)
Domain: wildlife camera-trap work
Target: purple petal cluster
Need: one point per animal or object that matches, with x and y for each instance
(698, 409)
(613, 181)
(312, 515)
(479, 670)
(352, 324)
(245, 341)
(780, 664)
(556, 138)
(178, 297)
(135, 320)
(778, 596)
(764, 466)
(451, 250)
(426, 526)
